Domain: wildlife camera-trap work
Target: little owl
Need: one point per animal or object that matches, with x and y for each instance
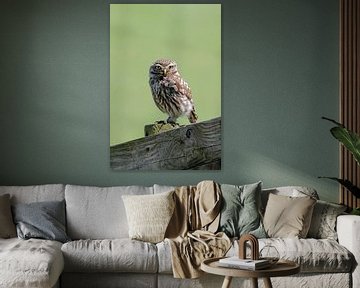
(172, 95)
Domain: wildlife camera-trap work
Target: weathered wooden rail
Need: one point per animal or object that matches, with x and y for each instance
(194, 146)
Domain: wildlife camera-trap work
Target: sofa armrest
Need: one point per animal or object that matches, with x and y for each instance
(348, 230)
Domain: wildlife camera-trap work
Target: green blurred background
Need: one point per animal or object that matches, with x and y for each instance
(190, 34)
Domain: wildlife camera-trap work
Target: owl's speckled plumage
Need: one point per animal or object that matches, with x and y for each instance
(171, 93)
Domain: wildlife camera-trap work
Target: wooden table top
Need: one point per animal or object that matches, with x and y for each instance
(281, 268)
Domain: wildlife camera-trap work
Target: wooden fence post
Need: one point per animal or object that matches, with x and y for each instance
(194, 146)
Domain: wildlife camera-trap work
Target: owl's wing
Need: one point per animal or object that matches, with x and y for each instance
(179, 86)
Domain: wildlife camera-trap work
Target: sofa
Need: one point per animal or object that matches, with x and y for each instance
(99, 252)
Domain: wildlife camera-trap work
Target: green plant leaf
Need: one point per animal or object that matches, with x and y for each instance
(348, 138)
(333, 121)
(347, 184)
(355, 211)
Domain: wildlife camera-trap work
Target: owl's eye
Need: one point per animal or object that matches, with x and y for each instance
(171, 66)
(156, 68)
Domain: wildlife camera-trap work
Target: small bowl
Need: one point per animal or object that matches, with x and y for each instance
(270, 253)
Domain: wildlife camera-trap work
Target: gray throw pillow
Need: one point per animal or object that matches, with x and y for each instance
(44, 220)
(240, 213)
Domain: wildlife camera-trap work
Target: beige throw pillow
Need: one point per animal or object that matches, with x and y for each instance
(7, 226)
(148, 215)
(288, 217)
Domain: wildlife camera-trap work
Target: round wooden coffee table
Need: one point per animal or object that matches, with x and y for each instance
(281, 268)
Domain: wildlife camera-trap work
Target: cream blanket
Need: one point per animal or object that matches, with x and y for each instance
(191, 231)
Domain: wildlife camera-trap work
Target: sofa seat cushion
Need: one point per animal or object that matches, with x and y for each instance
(164, 257)
(110, 255)
(313, 255)
(30, 263)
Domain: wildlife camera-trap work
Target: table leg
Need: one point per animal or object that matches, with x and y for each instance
(227, 282)
(267, 283)
(254, 282)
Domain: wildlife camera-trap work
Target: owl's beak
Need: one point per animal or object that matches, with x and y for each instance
(165, 72)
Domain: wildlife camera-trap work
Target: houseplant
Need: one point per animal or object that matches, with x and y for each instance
(351, 142)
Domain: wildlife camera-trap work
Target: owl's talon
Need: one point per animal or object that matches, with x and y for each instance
(171, 121)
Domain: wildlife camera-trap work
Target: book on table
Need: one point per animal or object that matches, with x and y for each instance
(249, 264)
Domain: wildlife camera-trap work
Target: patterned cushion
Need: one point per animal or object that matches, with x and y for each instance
(323, 221)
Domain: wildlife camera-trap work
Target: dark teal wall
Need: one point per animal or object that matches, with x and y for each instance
(280, 75)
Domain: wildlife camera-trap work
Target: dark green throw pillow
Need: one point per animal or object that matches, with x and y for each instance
(240, 210)
(43, 220)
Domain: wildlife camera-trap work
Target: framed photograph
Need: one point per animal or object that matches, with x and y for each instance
(165, 86)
